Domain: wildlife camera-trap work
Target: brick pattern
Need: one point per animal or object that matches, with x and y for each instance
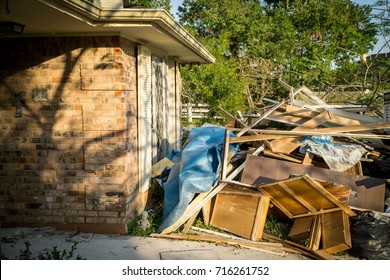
(70, 155)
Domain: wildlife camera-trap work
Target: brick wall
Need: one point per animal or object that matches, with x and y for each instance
(68, 133)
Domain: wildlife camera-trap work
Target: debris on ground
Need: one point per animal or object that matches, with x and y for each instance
(315, 165)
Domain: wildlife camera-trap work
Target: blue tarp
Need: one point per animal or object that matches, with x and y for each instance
(196, 170)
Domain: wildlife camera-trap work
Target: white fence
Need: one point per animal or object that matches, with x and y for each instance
(192, 111)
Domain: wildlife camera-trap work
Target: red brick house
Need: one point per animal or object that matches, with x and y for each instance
(89, 100)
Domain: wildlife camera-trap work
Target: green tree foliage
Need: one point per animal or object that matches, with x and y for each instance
(300, 41)
(159, 4)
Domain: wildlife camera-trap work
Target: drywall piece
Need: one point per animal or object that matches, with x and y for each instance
(369, 192)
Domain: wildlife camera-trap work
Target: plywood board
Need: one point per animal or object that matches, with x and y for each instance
(302, 196)
(369, 191)
(240, 212)
(301, 229)
(336, 236)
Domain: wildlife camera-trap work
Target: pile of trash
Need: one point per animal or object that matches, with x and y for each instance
(324, 168)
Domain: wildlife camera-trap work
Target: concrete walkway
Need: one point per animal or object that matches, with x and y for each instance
(119, 247)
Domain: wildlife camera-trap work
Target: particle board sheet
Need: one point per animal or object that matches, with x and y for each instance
(368, 192)
(302, 196)
(240, 212)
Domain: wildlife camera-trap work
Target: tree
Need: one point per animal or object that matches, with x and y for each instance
(159, 4)
(300, 41)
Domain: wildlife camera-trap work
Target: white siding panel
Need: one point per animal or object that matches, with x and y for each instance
(144, 117)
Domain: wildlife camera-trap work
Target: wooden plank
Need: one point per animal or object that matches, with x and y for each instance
(189, 223)
(291, 133)
(338, 112)
(329, 196)
(280, 156)
(307, 160)
(247, 244)
(260, 218)
(225, 156)
(206, 212)
(289, 144)
(324, 255)
(245, 129)
(253, 138)
(336, 236)
(315, 234)
(319, 212)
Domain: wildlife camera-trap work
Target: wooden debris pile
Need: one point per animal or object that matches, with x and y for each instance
(274, 177)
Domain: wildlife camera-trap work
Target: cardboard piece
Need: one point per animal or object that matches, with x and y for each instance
(369, 192)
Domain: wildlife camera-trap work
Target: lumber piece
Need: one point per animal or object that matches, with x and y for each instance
(338, 112)
(245, 129)
(290, 133)
(277, 145)
(231, 117)
(268, 244)
(294, 246)
(189, 222)
(280, 156)
(276, 250)
(307, 160)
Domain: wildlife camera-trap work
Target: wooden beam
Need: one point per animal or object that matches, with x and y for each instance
(289, 144)
(245, 129)
(316, 132)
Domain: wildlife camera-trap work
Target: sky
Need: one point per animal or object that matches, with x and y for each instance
(176, 3)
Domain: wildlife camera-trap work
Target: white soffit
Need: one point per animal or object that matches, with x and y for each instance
(153, 28)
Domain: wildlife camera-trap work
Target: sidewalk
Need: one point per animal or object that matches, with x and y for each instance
(118, 247)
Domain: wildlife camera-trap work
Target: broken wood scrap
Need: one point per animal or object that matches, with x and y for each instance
(289, 144)
(289, 133)
(311, 99)
(281, 156)
(303, 250)
(269, 248)
(248, 127)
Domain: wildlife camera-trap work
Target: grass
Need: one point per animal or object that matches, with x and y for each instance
(154, 217)
(277, 228)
